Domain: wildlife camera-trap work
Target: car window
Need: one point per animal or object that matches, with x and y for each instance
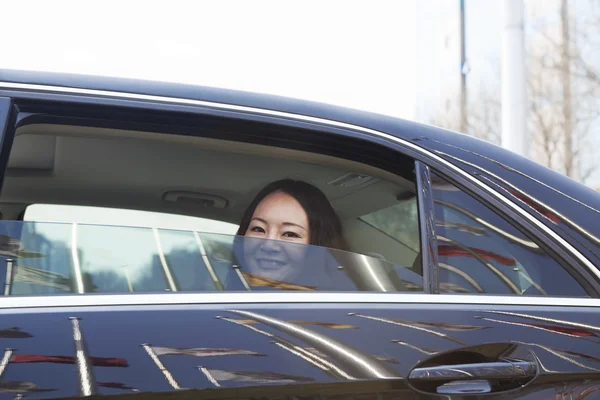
(480, 252)
(86, 246)
(399, 221)
(46, 258)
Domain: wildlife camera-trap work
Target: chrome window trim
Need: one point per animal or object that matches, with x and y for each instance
(321, 298)
(231, 107)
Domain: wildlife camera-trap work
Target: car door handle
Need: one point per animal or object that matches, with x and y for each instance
(485, 368)
(498, 370)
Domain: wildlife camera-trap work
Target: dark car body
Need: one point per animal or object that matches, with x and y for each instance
(297, 344)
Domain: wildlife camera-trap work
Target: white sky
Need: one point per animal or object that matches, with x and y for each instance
(359, 54)
(353, 53)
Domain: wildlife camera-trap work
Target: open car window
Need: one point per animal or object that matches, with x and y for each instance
(57, 258)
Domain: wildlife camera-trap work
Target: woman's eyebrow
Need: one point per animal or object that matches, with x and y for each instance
(293, 224)
(284, 224)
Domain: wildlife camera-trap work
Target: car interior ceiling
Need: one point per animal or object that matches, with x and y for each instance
(176, 174)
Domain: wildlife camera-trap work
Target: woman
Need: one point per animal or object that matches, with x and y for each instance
(291, 215)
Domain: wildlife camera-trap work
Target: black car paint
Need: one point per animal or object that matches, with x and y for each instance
(565, 340)
(374, 342)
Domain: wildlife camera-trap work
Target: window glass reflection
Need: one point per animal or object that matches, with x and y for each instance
(183, 255)
(55, 258)
(479, 252)
(48, 271)
(112, 261)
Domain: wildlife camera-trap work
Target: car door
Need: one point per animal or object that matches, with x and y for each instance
(484, 334)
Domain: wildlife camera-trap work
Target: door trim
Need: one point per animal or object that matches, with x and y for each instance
(320, 298)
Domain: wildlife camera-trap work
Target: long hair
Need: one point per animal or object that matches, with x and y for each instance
(324, 224)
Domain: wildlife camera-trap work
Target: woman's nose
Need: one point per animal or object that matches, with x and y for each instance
(270, 246)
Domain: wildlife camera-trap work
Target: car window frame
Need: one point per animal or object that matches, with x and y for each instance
(8, 119)
(59, 98)
(427, 230)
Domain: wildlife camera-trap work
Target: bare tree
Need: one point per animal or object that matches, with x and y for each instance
(563, 84)
(482, 120)
(563, 88)
(485, 116)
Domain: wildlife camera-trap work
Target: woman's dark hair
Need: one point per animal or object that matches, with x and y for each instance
(323, 222)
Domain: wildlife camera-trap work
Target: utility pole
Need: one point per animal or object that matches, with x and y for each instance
(514, 105)
(565, 75)
(463, 71)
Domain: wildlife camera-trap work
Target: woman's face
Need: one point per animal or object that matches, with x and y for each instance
(281, 219)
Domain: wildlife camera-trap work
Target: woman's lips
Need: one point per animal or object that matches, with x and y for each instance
(268, 263)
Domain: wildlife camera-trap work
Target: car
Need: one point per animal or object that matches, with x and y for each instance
(466, 270)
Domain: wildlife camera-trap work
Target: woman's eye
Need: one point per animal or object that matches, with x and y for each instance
(291, 235)
(257, 229)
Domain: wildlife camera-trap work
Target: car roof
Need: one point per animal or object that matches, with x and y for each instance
(555, 196)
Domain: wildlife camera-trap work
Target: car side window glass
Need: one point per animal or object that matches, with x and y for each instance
(76, 253)
(392, 234)
(480, 252)
(399, 221)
